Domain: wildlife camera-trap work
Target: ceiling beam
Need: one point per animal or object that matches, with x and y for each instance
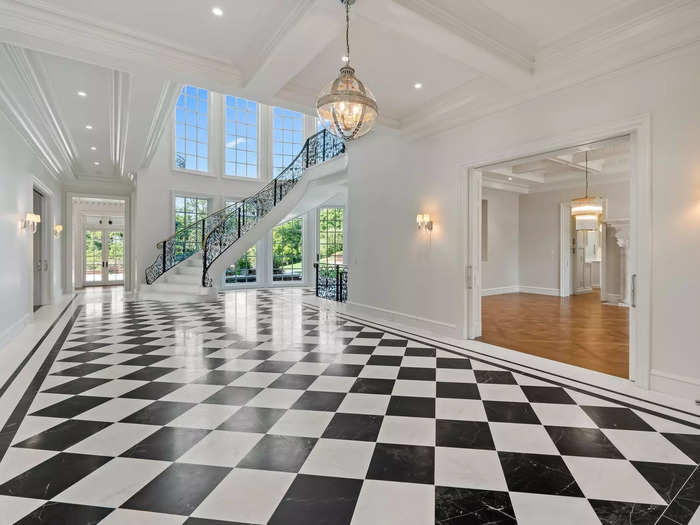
(572, 165)
(307, 31)
(508, 172)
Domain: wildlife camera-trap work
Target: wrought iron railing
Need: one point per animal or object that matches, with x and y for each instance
(245, 214)
(190, 240)
(332, 281)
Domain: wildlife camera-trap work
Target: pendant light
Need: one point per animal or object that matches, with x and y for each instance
(346, 107)
(587, 210)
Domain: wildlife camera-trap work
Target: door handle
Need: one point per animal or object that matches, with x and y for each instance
(634, 291)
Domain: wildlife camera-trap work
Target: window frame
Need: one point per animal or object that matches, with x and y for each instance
(272, 138)
(173, 142)
(318, 230)
(260, 124)
(302, 275)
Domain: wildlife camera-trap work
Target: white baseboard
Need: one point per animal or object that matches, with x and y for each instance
(538, 290)
(500, 290)
(613, 298)
(431, 325)
(15, 328)
(676, 385)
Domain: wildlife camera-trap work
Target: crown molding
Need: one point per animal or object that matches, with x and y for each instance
(128, 50)
(161, 117)
(119, 118)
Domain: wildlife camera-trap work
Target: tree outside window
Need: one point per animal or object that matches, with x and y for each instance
(331, 235)
(287, 251)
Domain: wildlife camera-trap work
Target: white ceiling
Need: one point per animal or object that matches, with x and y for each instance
(608, 161)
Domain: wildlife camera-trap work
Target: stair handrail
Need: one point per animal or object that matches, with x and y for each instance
(317, 149)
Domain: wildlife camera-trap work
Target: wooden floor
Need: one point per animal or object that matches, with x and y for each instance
(579, 330)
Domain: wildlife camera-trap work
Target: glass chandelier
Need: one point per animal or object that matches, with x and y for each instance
(587, 210)
(346, 107)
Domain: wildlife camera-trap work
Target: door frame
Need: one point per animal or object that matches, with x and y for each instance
(104, 281)
(639, 261)
(47, 245)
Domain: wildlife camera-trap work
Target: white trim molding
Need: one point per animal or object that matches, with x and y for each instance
(119, 118)
(161, 119)
(539, 290)
(500, 290)
(423, 323)
(14, 329)
(674, 384)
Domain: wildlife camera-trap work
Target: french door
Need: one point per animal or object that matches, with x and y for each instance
(104, 257)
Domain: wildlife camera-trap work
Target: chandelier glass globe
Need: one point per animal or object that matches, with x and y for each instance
(346, 107)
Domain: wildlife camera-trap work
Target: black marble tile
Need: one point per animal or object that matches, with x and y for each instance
(459, 506)
(411, 406)
(368, 385)
(667, 479)
(463, 434)
(341, 370)
(63, 435)
(454, 362)
(497, 377)
(71, 407)
(233, 395)
(87, 347)
(370, 335)
(458, 390)
(158, 413)
(358, 427)
(686, 503)
(218, 377)
(278, 367)
(77, 386)
(145, 360)
(358, 349)
(166, 444)
(318, 499)
(149, 373)
(319, 357)
(538, 473)
(154, 390)
(81, 370)
(616, 417)
(591, 442)
(293, 381)
(510, 412)
(179, 489)
(619, 513)
(385, 360)
(393, 342)
(404, 463)
(56, 513)
(140, 349)
(689, 444)
(547, 394)
(281, 453)
(53, 476)
(419, 352)
(258, 355)
(327, 401)
(202, 521)
(140, 340)
(85, 357)
(251, 419)
(416, 373)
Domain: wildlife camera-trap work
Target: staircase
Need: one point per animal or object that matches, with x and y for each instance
(192, 261)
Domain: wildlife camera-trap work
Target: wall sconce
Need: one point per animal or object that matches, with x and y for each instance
(31, 222)
(57, 231)
(424, 222)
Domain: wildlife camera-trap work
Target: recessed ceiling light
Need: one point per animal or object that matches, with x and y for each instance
(417, 85)
(345, 59)
(88, 126)
(82, 94)
(96, 163)
(510, 179)
(93, 148)
(217, 11)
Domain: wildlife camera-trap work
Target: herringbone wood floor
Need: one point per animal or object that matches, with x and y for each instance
(578, 330)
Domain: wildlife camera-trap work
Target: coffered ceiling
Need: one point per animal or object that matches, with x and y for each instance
(471, 57)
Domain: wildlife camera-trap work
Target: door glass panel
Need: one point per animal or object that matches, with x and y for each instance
(115, 257)
(93, 256)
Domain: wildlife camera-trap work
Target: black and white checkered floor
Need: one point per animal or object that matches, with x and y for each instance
(259, 409)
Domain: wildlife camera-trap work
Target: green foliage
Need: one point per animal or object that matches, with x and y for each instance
(331, 234)
(287, 248)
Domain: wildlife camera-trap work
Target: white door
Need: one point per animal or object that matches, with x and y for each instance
(37, 259)
(103, 257)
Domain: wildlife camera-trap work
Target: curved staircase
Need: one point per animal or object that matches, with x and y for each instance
(193, 260)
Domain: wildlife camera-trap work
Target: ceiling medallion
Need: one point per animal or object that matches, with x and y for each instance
(346, 107)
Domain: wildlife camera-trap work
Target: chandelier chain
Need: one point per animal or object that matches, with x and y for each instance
(347, 29)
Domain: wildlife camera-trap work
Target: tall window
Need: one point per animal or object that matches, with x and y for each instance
(241, 137)
(287, 251)
(188, 211)
(288, 137)
(245, 269)
(192, 129)
(331, 235)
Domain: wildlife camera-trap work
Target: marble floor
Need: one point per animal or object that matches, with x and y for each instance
(262, 408)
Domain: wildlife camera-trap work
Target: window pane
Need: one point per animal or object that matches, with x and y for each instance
(330, 229)
(241, 127)
(286, 141)
(191, 128)
(287, 251)
(245, 269)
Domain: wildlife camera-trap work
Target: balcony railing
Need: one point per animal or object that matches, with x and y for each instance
(332, 281)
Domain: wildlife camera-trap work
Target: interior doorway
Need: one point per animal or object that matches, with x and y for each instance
(104, 257)
(572, 294)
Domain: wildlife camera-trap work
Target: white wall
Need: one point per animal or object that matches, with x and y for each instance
(18, 166)
(394, 270)
(500, 270)
(539, 230)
